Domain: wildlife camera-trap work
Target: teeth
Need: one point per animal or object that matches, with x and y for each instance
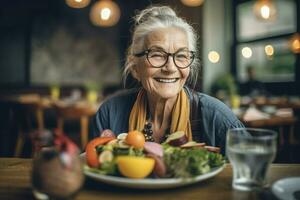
(166, 80)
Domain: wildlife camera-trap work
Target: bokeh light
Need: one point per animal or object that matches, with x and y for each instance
(213, 56)
(78, 3)
(247, 52)
(105, 13)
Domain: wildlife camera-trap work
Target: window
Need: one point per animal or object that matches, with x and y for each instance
(272, 59)
(251, 28)
(265, 44)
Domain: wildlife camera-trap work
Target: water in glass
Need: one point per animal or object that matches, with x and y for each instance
(250, 157)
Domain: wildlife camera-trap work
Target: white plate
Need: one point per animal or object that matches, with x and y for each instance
(285, 188)
(151, 183)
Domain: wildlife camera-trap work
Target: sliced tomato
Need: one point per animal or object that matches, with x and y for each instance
(91, 153)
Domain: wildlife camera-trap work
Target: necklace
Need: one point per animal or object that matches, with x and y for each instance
(148, 133)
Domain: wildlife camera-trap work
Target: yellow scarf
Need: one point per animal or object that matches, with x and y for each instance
(180, 114)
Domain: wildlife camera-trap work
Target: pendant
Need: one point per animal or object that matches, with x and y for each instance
(148, 133)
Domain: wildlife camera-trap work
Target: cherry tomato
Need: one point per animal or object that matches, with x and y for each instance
(136, 139)
(91, 153)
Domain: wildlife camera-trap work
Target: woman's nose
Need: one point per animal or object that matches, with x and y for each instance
(169, 66)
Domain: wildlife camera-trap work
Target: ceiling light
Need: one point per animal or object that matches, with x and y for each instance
(192, 3)
(105, 13)
(264, 9)
(78, 3)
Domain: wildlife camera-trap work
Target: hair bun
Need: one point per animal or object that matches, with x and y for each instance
(148, 13)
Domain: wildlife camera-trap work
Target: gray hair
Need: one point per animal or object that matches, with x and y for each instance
(154, 18)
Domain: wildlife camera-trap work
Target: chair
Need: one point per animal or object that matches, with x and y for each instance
(81, 110)
(30, 104)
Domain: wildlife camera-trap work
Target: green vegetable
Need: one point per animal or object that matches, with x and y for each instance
(185, 163)
(109, 168)
(215, 159)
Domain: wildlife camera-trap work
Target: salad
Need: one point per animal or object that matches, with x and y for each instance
(129, 155)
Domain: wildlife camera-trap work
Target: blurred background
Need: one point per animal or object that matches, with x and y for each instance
(61, 58)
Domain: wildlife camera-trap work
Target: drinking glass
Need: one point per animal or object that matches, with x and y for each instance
(250, 151)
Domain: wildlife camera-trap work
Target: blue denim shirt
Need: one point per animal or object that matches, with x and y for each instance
(216, 118)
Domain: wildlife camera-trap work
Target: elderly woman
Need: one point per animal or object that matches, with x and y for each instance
(162, 59)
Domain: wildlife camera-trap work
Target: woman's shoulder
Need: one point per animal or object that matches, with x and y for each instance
(203, 99)
(209, 101)
(211, 105)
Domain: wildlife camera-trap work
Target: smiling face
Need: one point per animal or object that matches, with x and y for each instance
(165, 82)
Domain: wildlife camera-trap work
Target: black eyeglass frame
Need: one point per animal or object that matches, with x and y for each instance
(146, 52)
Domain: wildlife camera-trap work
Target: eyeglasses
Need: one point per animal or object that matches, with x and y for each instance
(158, 58)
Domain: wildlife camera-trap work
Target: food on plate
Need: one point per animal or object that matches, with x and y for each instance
(135, 167)
(107, 133)
(113, 141)
(212, 149)
(177, 139)
(191, 144)
(154, 148)
(130, 156)
(182, 162)
(122, 136)
(123, 144)
(135, 138)
(106, 156)
(91, 152)
(160, 169)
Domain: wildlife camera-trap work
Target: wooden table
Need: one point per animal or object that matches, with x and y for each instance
(279, 102)
(15, 184)
(272, 121)
(277, 121)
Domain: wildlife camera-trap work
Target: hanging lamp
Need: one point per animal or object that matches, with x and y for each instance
(78, 3)
(295, 43)
(192, 3)
(105, 13)
(265, 10)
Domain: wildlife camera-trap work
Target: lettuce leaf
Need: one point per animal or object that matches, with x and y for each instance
(185, 163)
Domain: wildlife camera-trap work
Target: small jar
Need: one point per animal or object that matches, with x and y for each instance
(56, 173)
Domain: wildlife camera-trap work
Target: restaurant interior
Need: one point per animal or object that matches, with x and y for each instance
(61, 58)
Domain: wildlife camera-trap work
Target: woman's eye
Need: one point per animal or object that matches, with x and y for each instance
(182, 56)
(157, 55)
